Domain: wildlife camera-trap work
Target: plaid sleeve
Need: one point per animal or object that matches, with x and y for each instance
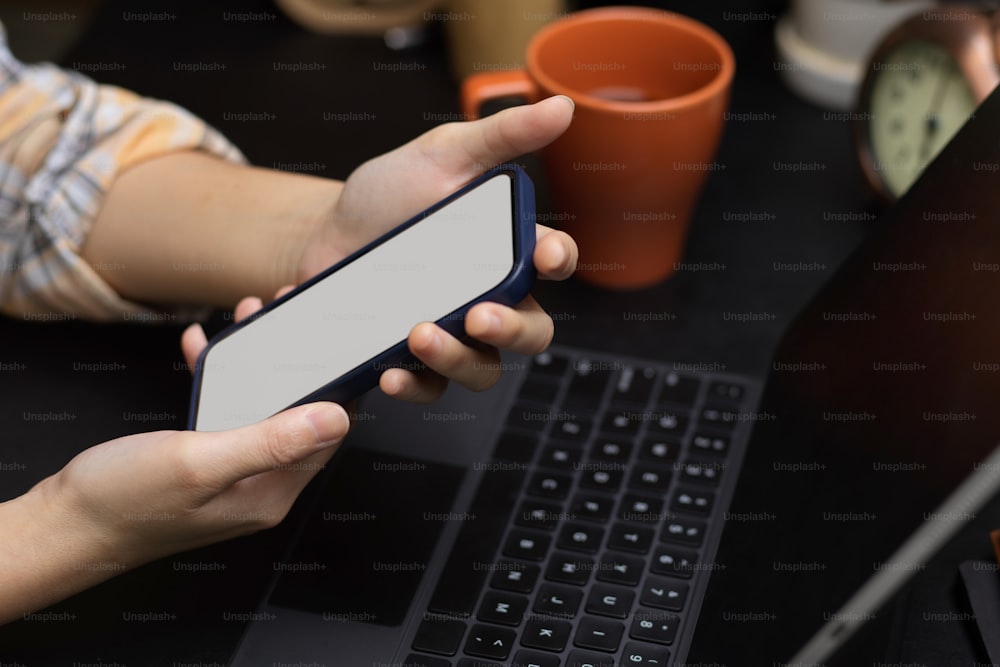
(63, 139)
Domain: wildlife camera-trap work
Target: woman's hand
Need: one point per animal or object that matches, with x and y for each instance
(141, 497)
(154, 494)
(391, 188)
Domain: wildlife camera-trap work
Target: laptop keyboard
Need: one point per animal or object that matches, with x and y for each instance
(588, 537)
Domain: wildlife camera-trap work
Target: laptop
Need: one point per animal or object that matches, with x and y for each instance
(596, 509)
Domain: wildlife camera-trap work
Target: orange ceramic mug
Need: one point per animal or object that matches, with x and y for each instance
(651, 89)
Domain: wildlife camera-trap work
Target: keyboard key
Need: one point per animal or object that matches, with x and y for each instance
(710, 444)
(602, 476)
(414, 660)
(669, 424)
(679, 389)
(683, 531)
(534, 659)
(515, 577)
(463, 577)
(548, 364)
(592, 507)
(571, 428)
(630, 538)
(659, 450)
(634, 385)
(569, 569)
(550, 485)
(664, 594)
(526, 545)
(674, 562)
(654, 626)
(440, 636)
(599, 634)
(588, 659)
(538, 514)
(649, 478)
(489, 641)
(502, 608)
(609, 601)
(556, 600)
(690, 500)
(561, 456)
(730, 392)
(620, 569)
(718, 417)
(613, 451)
(645, 654)
(641, 509)
(546, 634)
(580, 537)
(622, 423)
(702, 472)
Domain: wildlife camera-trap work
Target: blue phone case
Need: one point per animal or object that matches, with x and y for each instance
(365, 376)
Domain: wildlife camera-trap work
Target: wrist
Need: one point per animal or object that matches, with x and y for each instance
(90, 545)
(326, 238)
(49, 552)
(301, 229)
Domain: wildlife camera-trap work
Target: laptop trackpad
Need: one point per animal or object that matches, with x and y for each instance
(368, 541)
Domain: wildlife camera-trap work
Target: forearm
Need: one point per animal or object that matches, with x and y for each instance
(190, 228)
(45, 556)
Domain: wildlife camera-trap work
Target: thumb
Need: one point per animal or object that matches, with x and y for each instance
(287, 437)
(470, 148)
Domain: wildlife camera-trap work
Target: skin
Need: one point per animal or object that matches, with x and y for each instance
(126, 502)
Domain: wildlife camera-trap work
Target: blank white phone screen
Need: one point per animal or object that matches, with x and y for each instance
(424, 273)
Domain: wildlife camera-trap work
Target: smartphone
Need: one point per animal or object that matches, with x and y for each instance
(333, 336)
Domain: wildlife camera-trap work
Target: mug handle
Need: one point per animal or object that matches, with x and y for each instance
(480, 88)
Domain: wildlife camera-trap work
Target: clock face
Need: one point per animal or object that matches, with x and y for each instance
(919, 100)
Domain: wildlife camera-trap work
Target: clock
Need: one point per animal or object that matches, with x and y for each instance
(923, 81)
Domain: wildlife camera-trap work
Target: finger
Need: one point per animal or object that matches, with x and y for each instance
(193, 341)
(247, 307)
(275, 490)
(556, 253)
(278, 488)
(415, 387)
(259, 501)
(272, 444)
(472, 148)
(283, 291)
(525, 329)
(475, 369)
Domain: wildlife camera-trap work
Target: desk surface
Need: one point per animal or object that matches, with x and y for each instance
(796, 219)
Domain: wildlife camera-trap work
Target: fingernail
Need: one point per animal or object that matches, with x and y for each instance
(568, 99)
(329, 422)
(493, 323)
(432, 343)
(561, 257)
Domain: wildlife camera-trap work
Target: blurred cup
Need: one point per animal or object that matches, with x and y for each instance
(492, 35)
(651, 89)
